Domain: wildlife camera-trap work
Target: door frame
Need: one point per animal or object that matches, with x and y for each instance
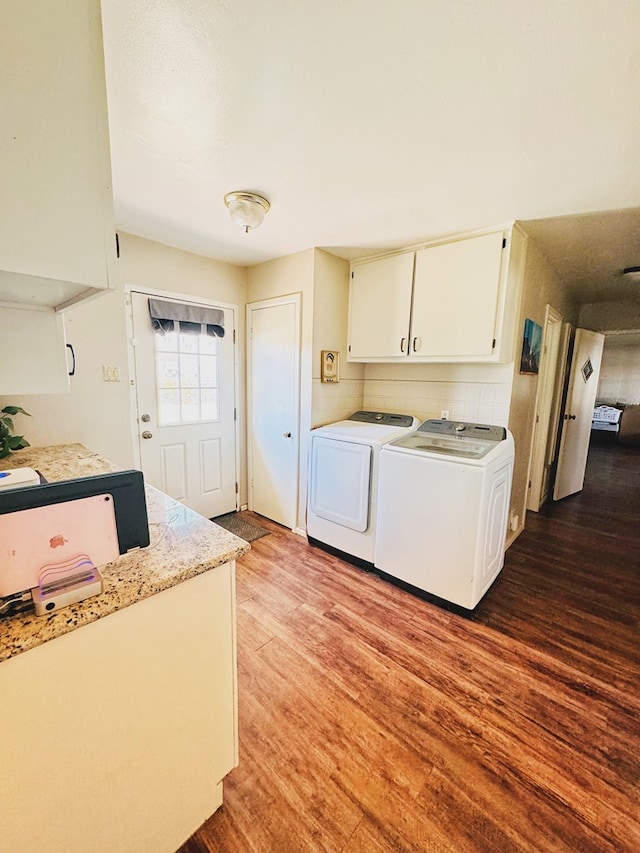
(566, 337)
(296, 300)
(133, 393)
(551, 342)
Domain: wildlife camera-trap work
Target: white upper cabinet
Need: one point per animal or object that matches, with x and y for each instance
(57, 237)
(453, 301)
(455, 298)
(379, 307)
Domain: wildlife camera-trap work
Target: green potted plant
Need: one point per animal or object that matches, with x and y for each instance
(8, 441)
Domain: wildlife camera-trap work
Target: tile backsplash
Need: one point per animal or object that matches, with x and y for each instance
(479, 402)
(335, 402)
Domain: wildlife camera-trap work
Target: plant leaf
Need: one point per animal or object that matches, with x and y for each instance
(14, 410)
(16, 442)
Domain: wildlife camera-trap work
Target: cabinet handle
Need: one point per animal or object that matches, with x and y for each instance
(72, 372)
(417, 343)
(402, 340)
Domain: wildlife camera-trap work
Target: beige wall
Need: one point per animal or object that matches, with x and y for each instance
(97, 413)
(145, 264)
(94, 413)
(333, 402)
(610, 316)
(620, 369)
(281, 277)
(541, 286)
(323, 282)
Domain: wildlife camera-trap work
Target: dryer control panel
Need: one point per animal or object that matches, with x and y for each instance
(384, 418)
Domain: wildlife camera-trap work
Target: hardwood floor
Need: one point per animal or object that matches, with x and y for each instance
(371, 720)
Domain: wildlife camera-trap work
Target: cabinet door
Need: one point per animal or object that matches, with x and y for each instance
(379, 308)
(32, 352)
(55, 177)
(455, 298)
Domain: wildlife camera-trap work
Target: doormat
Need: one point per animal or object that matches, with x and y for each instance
(234, 523)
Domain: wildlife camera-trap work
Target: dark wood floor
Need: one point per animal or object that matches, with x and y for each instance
(371, 720)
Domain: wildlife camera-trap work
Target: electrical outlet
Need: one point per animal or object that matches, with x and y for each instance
(444, 415)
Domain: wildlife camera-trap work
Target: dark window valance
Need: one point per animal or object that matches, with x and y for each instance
(190, 319)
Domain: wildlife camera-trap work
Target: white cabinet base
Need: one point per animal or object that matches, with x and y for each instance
(116, 737)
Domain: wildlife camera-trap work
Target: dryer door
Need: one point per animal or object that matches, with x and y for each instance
(340, 478)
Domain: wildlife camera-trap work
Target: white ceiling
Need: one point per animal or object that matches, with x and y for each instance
(375, 124)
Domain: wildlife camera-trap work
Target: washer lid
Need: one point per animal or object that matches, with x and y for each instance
(461, 448)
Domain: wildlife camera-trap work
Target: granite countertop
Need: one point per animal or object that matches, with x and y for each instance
(183, 544)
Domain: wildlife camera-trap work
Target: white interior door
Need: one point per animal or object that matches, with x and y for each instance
(185, 391)
(578, 413)
(538, 473)
(273, 330)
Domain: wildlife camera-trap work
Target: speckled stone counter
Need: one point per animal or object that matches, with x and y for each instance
(183, 544)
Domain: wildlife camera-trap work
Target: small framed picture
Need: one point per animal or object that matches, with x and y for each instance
(531, 343)
(329, 366)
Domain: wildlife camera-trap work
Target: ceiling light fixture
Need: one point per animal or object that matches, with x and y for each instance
(247, 209)
(631, 273)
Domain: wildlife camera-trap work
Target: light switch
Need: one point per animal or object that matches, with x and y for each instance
(110, 374)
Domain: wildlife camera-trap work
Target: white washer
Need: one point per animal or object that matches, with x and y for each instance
(343, 476)
(443, 506)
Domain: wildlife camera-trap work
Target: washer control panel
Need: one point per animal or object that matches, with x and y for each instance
(463, 429)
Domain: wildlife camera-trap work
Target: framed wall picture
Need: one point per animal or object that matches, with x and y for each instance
(330, 366)
(531, 343)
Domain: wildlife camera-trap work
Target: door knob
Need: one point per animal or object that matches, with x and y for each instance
(147, 434)
(287, 434)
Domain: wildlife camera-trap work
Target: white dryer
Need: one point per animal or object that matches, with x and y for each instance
(343, 479)
(443, 507)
